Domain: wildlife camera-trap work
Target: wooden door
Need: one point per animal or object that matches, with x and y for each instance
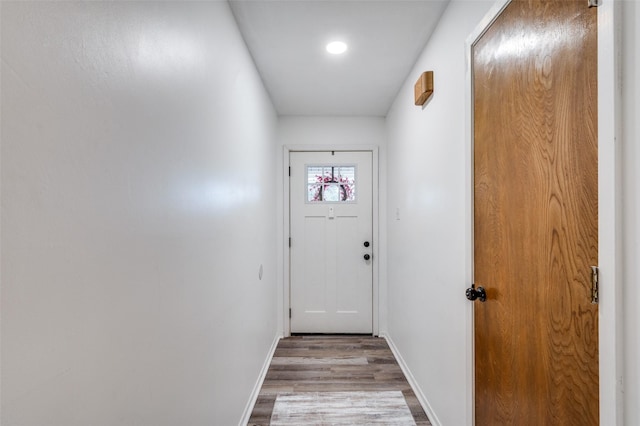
(331, 201)
(535, 215)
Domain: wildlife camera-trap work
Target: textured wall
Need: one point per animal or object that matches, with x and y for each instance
(428, 220)
(137, 208)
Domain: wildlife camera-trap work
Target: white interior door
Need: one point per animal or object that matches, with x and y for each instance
(331, 242)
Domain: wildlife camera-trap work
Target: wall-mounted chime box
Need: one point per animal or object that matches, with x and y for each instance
(423, 88)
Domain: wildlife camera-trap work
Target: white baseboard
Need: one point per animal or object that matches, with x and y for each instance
(256, 389)
(412, 382)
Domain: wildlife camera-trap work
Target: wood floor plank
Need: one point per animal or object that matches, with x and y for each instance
(333, 364)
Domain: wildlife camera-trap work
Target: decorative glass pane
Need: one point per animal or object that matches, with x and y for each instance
(331, 193)
(312, 173)
(348, 192)
(314, 193)
(331, 184)
(347, 174)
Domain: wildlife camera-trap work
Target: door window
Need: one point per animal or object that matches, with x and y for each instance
(331, 183)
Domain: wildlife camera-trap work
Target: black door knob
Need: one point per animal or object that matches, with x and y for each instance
(474, 293)
(366, 243)
(367, 257)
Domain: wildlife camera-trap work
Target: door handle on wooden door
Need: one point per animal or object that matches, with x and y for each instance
(474, 293)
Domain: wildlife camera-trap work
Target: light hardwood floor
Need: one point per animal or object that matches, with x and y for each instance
(333, 364)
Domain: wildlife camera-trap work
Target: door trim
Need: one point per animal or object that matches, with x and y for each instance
(609, 210)
(286, 282)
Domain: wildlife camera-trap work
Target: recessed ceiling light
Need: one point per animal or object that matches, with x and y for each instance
(336, 47)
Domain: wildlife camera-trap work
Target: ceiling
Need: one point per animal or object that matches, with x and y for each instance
(287, 40)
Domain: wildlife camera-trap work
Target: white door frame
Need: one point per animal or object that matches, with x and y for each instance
(609, 209)
(286, 282)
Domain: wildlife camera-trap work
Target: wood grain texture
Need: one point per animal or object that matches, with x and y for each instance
(287, 374)
(535, 223)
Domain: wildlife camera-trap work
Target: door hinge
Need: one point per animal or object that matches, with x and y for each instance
(289, 171)
(289, 242)
(595, 276)
(594, 3)
(289, 313)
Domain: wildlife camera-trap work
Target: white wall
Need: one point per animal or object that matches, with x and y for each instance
(631, 207)
(428, 245)
(303, 132)
(137, 207)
